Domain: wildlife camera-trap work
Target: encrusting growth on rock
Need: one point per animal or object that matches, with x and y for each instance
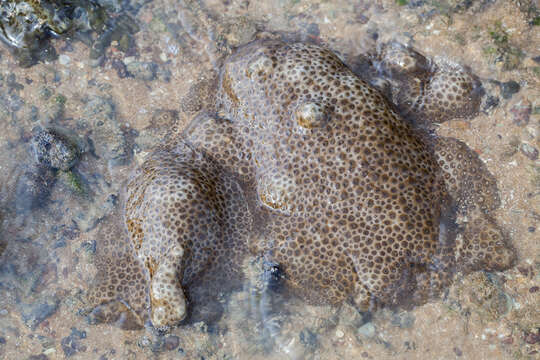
(308, 166)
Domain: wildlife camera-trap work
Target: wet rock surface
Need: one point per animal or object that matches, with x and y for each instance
(107, 136)
(55, 148)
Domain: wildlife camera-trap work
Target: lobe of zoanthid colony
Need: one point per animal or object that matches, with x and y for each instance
(310, 167)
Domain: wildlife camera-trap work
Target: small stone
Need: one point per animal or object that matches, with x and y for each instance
(339, 333)
(458, 352)
(3, 312)
(2, 340)
(129, 59)
(45, 93)
(367, 330)
(529, 151)
(509, 88)
(171, 342)
(64, 59)
(308, 338)
(120, 67)
(144, 342)
(38, 357)
(88, 219)
(521, 112)
(142, 70)
(403, 320)
(313, 29)
(532, 338)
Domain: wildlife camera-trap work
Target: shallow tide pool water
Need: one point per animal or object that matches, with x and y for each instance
(82, 108)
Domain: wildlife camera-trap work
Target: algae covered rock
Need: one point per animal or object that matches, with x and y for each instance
(54, 147)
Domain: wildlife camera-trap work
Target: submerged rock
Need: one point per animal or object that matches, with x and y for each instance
(142, 70)
(108, 137)
(55, 148)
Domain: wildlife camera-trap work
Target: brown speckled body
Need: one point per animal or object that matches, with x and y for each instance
(310, 167)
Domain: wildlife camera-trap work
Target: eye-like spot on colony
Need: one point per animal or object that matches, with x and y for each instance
(311, 115)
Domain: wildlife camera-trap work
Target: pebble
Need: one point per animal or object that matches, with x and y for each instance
(509, 88)
(120, 67)
(339, 333)
(521, 112)
(313, 29)
(3, 312)
(39, 357)
(529, 151)
(403, 320)
(50, 351)
(64, 59)
(171, 342)
(142, 70)
(308, 338)
(532, 338)
(367, 330)
(144, 342)
(129, 59)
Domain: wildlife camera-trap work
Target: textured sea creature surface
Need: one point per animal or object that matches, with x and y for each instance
(302, 163)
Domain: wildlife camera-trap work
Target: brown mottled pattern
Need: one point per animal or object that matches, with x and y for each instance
(308, 166)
